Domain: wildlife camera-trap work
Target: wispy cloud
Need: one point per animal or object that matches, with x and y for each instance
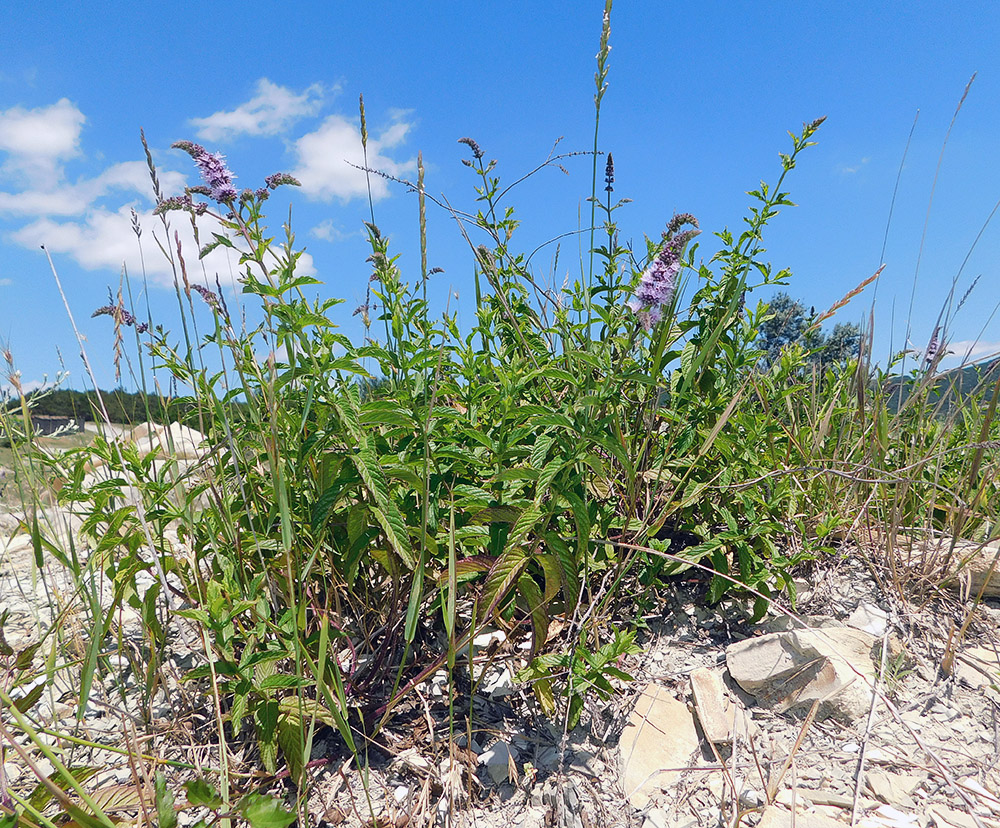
(39, 141)
(8, 391)
(104, 240)
(130, 177)
(326, 156)
(972, 350)
(328, 231)
(851, 169)
(6, 282)
(270, 112)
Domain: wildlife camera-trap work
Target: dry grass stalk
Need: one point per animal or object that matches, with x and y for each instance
(842, 302)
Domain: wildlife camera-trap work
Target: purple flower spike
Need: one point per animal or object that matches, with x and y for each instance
(659, 281)
(217, 176)
(278, 179)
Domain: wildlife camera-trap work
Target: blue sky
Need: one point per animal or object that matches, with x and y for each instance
(699, 102)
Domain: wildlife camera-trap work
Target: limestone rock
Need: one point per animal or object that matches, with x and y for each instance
(775, 817)
(945, 817)
(499, 760)
(971, 565)
(719, 716)
(656, 744)
(870, 619)
(790, 669)
(979, 667)
(893, 788)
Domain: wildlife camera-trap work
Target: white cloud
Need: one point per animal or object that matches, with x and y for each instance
(973, 350)
(90, 220)
(8, 392)
(74, 199)
(327, 231)
(325, 157)
(270, 112)
(6, 282)
(851, 169)
(103, 240)
(38, 141)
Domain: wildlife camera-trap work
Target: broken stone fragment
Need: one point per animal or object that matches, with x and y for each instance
(971, 566)
(870, 619)
(720, 718)
(893, 788)
(656, 745)
(790, 669)
(775, 817)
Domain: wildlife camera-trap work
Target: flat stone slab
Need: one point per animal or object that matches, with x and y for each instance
(656, 745)
(775, 817)
(720, 718)
(971, 566)
(784, 670)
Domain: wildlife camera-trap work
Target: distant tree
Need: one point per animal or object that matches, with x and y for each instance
(788, 323)
(843, 344)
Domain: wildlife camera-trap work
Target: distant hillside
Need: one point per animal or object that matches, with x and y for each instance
(951, 387)
(122, 406)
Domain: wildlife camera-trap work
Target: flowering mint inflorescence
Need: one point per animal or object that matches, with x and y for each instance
(121, 317)
(183, 202)
(277, 179)
(659, 281)
(214, 171)
(218, 180)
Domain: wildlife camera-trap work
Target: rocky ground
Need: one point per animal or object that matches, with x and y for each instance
(861, 709)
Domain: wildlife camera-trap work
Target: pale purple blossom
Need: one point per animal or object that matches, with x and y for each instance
(933, 346)
(656, 288)
(276, 180)
(121, 316)
(658, 282)
(217, 176)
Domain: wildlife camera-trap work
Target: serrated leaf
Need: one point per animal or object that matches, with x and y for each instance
(501, 578)
(324, 503)
(385, 412)
(386, 513)
(537, 609)
(357, 521)
(478, 437)
(293, 709)
(553, 575)
(165, 813)
(497, 514)
(199, 615)
(568, 566)
(281, 682)
(111, 798)
(392, 524)
(201, 792)
(238, 711)
(545, 478)
(513, 559)
(552, 418)
(581, 517)
(266, 725)
(540, 450)
(265, 812)
(290, 740)
(29, 699)
(542, 688)
(41, 795)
